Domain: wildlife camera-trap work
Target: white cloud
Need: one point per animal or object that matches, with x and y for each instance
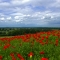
(38, 17)
(14, 14)
(25, 1)
(8, 18)
(4, 4)
(19, 2)
(43, 17)
(16, 17)
(33, 3)
(55, 4)
(15, 2)
(1, 14)
(2, 18)
(30, 11)
(52, 17)
(17, 20)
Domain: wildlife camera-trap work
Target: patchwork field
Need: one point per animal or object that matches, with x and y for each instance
(37, 46)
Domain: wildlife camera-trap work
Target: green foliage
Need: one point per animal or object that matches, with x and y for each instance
(22, 31)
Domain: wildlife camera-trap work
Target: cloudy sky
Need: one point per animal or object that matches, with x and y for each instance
(29, 13)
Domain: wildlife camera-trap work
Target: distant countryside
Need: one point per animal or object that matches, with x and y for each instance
(24, 30)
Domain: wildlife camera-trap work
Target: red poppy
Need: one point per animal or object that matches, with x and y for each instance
(56, 42)
(0, 57)
(42, 52)
(11, 54)
(20, 57)
(6, 46)
(30, 54)
(44, 58)
(13, 58)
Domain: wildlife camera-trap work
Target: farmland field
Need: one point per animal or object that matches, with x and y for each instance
(40, 45)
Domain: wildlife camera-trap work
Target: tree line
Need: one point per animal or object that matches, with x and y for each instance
(22, 31)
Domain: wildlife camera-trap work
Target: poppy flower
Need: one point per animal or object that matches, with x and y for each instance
(30, 54)
(42, 52)
(0, 57)
(6, 46)
(44, 58)
(20, 57)
(13, 58)
(12, 55)
(56, 43)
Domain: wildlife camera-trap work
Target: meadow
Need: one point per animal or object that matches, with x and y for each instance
(37, 46)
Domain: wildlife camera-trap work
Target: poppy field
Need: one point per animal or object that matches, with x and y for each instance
(37, 46)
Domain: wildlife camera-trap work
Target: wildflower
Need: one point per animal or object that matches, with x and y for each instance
(20, 57)
(44, 58)
(6, 46)
(30, 54)
(42, 52)
(0, 57)
(56, 42)
(12, 55)
(13, 58)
